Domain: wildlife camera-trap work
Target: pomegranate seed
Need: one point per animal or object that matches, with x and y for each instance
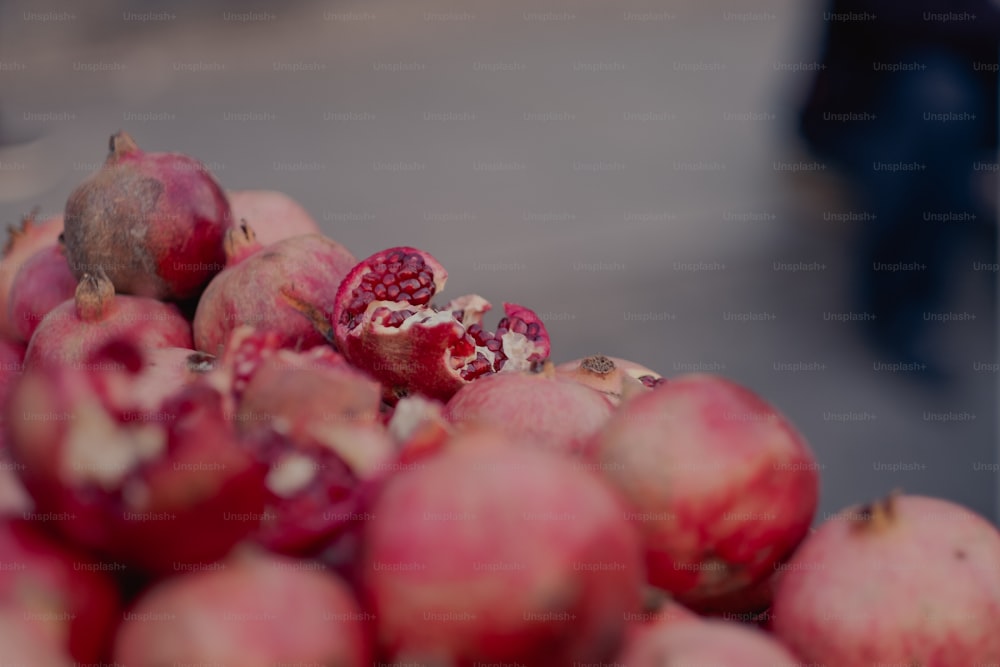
(407, 273)
(421, 296)
(380, 268)
(388, 279)
(410, 285)
(380, 292)
(402, 296)
(519, 326)
(393, 291)
(493, 345)
(394, 257)
(414, 260)
(424, 278)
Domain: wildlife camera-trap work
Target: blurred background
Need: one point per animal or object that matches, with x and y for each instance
(633, 171)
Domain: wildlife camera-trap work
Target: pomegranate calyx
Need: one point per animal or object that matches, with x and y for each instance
(120, 144)
(94, 296)
(240, 242)
(878, 515)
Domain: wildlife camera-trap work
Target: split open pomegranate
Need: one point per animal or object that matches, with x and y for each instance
(385, 324)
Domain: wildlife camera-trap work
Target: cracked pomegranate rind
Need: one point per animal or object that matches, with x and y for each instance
(384, 323)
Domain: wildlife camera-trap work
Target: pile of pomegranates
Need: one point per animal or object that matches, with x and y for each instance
(227, 441)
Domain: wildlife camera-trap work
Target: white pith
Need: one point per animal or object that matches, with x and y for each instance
(364, 449)
(409, 414)
(101, 451)
(292, 473)
(517, 347)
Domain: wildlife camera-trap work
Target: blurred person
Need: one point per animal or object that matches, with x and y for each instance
(905, 106)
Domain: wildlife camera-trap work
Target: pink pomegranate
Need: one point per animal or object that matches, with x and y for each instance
(535, 405)
(70, 598)
(314, 420)
(22, 243)
(616, 378)
(11, 365)
(722, 485)
(43, 283)
(932, 565)
(153, 489)
(273, 215)
(705, 643)
(491, 552)
(251, 610)
(26, 645)
(286, 288)
(384, 324)
(77, 328)
(154, 222)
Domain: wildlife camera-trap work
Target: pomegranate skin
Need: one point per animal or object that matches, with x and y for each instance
(22, 243)
(287, 288)
(492, 552)
(75, 329)
(705, 643)
(273, 215)
(43, 283)
(723, 486)
(68, 596)
(24, 645)
(905, 580)
(251, 610)
(154, 222)
(541, 407)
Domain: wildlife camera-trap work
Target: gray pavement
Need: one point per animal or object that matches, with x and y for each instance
(623, 168)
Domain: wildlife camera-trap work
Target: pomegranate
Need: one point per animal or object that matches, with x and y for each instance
(492, 552)
(22, 243)
(314, 420)
(932, 565)
(24, 645)
(43, 283)
(71, 598)
(273, 215)
(384, 324)
(722, 485)
(705, 643)
(77, 328)
(154, 489)
(535, 405)
(251, 610)
(154, 222)
(286, 288)
(616, 378)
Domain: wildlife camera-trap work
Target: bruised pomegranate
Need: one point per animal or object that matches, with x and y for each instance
(491, 552)
(617, 379)
(76, 328)
(905, 580)
(154, 222)
(43, 283)
(155, 489)
(251, 610)
(707, 643)
(287, 288)
(273, 215)
(384, 324)
(536, 405)
(22, 243)
(722, 485)
(314, 420)
(70, 598)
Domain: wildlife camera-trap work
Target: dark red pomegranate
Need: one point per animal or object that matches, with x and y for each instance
(22, 243)
(287, 288)
(155, 489)
(490, 552)
(251, 610)
(71, 598)
(43, 283)
(154, 222)
(385, 324)
(76, 329)
(723, 487)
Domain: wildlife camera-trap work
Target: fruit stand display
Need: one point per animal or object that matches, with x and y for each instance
(227, 441)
